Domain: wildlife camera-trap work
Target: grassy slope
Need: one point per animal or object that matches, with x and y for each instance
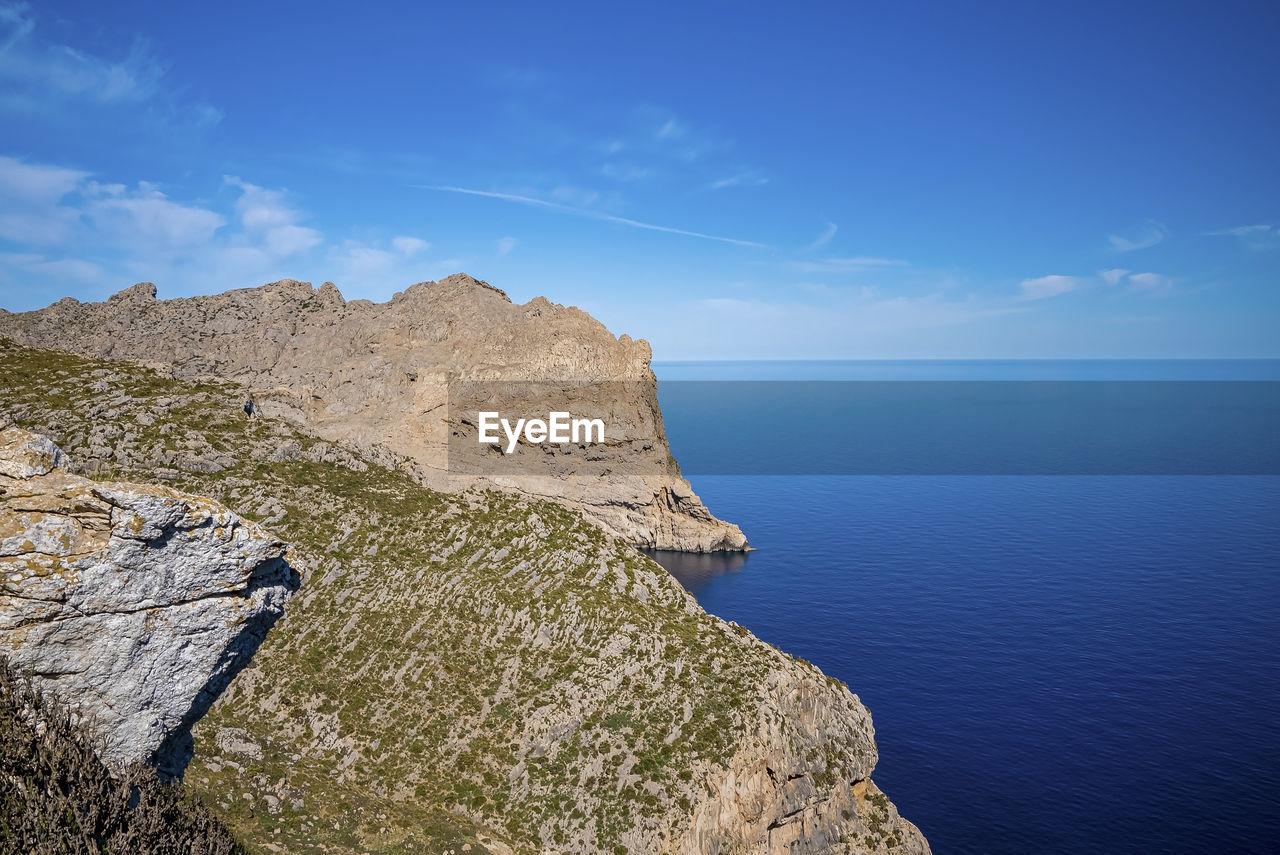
(455, 669)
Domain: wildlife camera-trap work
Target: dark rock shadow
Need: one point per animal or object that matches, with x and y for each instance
(173, 755)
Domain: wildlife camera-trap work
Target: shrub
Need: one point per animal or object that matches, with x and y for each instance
(58, 798)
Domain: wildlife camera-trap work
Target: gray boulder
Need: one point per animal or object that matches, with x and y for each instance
(133, 605)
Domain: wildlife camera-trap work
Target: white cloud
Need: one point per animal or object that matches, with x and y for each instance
(506, 245)
(1052, 286)
(270, 222)
(407, 246)
(360, 262)
(30, 201)
(148, 219)
(823, 239)
(205, 115)
(1049, 286)
(1151, 234)
(285, 241)
(1246, 231)
(1153, 283)
(745, 179)
(377, 270)
(77, 229)
(1259, 236)
(73, 228)
(39, 183)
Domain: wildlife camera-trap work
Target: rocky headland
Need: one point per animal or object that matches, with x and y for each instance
(375, 376)
(485, 671)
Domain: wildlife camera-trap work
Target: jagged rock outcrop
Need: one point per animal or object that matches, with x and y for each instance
(132, 605)
(376, 376)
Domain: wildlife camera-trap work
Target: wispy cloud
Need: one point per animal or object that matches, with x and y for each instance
(823, 239)
(109, 234)
(657, 132)
(589, 214)
(744, 179)
(506, 245)
(1259, 236)
(1049, 286)
(37, 73)
(148, 220)
(1151, 283)
(376, 267)
(268, 219)
(1054, 285)
(856, 264)
(1151, 234)
(71, 228)
(671, 129)
(409, 246)
(28, 59)
(627, 172)
(31, 209)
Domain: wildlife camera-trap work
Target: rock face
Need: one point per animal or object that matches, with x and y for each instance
(376, 376)
(132, 605)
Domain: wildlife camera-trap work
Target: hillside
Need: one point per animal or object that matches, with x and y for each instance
(479, 669)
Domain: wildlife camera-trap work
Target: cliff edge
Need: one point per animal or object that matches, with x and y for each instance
(376, 376)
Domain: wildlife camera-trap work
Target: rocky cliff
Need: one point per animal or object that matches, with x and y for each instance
(376, 376)
(132, 605)
(479, 672)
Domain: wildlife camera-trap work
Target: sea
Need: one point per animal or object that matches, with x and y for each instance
(1055, 584)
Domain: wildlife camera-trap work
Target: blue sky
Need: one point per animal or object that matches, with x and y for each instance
(733, 180)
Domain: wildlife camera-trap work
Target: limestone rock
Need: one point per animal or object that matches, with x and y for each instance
(133, 605)
(375, 376)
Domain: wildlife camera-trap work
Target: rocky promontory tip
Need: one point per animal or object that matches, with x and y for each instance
(376, 375)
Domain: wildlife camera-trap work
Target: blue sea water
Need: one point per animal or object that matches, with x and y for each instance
(1054, 663)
